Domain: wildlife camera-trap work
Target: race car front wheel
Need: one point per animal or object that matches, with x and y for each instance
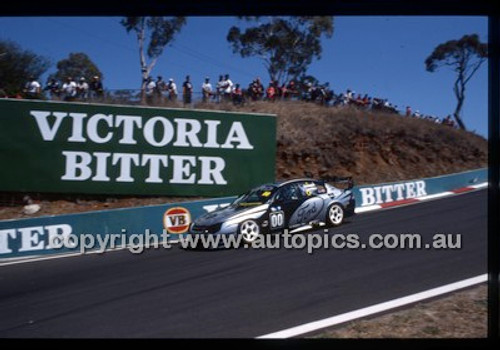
(250, 230)
(335, 214)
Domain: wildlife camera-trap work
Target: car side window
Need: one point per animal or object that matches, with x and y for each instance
(308, 189)
(289, 193)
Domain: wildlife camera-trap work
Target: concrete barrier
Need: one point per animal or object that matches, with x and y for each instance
(31, 237)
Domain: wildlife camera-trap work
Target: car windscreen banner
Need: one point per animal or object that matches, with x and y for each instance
(111, 149)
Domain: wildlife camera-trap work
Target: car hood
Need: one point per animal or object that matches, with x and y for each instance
(228, 213)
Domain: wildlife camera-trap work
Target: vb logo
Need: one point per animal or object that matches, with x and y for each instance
(177, 220)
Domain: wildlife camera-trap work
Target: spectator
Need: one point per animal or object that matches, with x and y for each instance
(150, 90)
(237, 95)
(219, 89)
(187, 91)
(291, 90)
(172, 90)
(159, 88)
(82, 89)
(53, 88)
(227, 86)
(206, 90)
(69, 89)
(256, 90)
(271, 92)
(96, 89)
(32, 89)
(408, 111)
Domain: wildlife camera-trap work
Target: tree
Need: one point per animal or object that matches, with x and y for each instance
(77, 65)
(18, 65)
(287, 45)
(153, 34)
(464, 56)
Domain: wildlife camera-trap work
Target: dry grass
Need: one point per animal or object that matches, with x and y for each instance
(459, 315)
(373, 147)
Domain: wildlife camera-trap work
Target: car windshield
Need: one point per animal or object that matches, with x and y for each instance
(256, 196)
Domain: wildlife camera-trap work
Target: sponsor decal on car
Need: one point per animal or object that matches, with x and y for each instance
(177, 220)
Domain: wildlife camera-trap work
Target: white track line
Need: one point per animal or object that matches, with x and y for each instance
(367, 311)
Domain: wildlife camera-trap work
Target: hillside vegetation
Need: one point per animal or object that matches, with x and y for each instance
(371, 146)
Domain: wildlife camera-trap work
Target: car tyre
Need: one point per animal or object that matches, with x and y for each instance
(335, 215)
(249, 230)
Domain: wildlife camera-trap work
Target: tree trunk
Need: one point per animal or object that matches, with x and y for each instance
(459, 90)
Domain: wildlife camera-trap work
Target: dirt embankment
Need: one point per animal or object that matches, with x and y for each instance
(373, 147)
(316, 141)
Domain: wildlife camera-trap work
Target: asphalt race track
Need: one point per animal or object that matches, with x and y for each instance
(240, 292)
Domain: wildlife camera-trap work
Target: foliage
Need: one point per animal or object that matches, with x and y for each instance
(153, 35)
(287, 45)
(464, 56)
(77, 65)
(17, 65)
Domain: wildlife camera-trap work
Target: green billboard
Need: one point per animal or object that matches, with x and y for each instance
(111, 149)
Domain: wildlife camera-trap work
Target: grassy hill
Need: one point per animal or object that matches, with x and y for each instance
(373, 147)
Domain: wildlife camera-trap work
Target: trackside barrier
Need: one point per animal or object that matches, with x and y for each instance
(29, 237)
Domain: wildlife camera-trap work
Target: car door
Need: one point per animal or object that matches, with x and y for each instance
(311, 206)
(286, 201)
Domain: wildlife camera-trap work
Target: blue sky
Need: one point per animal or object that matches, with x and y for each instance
(382, 56)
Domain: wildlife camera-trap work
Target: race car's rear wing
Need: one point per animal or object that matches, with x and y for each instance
(340, 179)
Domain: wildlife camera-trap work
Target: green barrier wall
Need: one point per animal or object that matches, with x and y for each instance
(110, 149)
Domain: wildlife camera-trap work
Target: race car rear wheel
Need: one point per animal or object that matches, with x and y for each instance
(250, 230)
(335, 215)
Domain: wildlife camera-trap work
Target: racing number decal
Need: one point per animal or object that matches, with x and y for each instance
(277, 219)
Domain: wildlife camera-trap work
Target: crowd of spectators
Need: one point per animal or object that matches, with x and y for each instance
(69, 90)
(160, 92)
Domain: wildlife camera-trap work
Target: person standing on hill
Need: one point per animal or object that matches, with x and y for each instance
(32, 88)
(96, 89)
(69, 89)
(187, 91)
(227, 87)
(206, 89)
(172, 90)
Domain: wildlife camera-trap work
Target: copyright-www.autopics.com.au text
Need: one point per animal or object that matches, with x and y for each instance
(137, 242)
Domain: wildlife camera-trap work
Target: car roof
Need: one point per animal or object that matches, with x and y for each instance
(283, 183)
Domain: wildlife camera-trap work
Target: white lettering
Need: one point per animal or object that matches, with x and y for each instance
(367, 196)
(399, 188)
(212, 134)
(237, 134)
(420, 188)
(149, 131)
(128, 122)
(154, 161)
(4, 240)
(30, 238)
(182, 170)
(57, 234)
(77, 161)
(77, 130)
(46, 131)
(183, 134)
(410, 190)
(208, 172)
(92, 126)
(101, 167)
(125, 160)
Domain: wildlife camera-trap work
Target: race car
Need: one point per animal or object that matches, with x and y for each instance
(273, 207)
